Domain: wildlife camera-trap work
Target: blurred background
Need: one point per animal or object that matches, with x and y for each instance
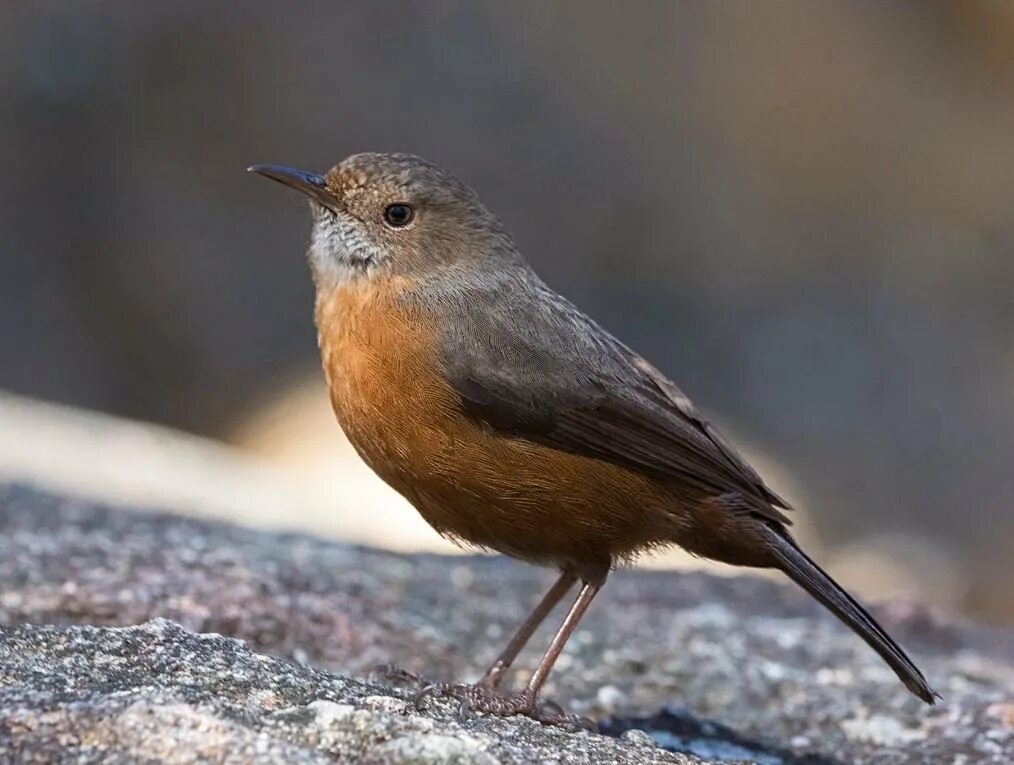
(803, 212)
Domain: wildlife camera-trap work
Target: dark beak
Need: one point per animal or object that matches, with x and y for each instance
(310, 184)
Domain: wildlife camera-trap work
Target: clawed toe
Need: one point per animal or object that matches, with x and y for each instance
(481, 698)
(395, 674)
(551, 713)
(436, 689)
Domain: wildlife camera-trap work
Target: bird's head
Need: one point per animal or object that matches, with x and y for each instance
(391, 213)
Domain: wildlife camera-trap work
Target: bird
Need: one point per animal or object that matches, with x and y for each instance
(512, 421)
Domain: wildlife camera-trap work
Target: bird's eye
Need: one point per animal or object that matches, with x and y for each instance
(398, 215)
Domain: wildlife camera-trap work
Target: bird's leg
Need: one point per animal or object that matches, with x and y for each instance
(479, 698)
(494, 675)
(526, 701)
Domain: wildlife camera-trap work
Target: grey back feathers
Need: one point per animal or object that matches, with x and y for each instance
(527, 362)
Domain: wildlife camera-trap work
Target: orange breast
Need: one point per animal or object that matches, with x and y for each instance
(470, 483)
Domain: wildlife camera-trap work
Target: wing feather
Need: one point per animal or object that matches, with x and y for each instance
(553, 376)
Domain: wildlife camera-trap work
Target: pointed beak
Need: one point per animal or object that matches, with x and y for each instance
(310, 184)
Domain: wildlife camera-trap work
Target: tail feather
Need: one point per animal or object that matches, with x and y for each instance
(812, 578)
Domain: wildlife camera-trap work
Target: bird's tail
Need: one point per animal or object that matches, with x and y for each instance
(812, 578)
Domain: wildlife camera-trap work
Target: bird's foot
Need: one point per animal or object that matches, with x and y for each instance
(478, 698)
(482, 698)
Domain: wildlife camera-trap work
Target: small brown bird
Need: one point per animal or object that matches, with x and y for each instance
(511, 420)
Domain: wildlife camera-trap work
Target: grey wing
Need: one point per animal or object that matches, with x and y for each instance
(534, 366)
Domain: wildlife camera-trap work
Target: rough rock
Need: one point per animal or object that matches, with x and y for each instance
(157, 692)
(718, 668)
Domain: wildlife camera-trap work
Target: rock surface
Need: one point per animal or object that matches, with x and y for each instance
(157, 692)
(667, 654)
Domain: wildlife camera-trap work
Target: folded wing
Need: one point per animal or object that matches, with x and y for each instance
(539, 369)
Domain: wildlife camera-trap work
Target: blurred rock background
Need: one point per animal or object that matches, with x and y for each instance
(802, 212)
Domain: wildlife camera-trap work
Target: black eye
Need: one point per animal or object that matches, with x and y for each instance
(398, 215)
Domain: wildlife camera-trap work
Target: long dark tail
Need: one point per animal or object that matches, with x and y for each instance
(812, 578)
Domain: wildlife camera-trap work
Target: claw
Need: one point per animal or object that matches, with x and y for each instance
(480, 698)
(425, 693)
(394, 674)
(566, 720)
(554, 708)
(549, 712)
